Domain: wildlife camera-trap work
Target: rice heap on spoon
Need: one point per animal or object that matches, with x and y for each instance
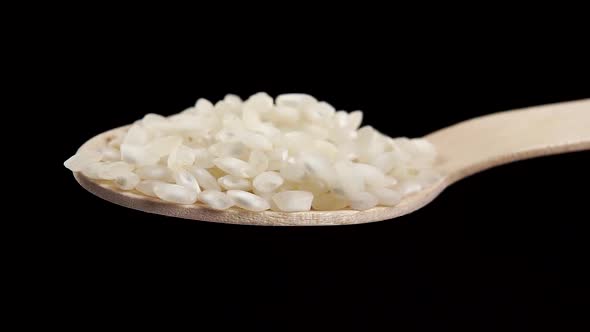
(291, 154)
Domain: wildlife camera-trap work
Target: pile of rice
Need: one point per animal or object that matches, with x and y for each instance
(290, 154)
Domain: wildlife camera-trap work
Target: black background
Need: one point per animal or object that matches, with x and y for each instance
(505, 249)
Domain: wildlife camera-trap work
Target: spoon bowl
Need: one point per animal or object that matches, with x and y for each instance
(464, 149)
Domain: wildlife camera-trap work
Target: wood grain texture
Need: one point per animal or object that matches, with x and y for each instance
(475, 145)
(464, 149)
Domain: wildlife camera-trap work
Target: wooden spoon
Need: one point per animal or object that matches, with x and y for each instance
(464, 149)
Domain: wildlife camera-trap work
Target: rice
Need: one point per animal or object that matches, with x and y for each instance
(291, 154)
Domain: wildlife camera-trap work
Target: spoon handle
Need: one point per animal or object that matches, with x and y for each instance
(484, 142)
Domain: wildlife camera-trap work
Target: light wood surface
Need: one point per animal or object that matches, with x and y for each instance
(465, 148)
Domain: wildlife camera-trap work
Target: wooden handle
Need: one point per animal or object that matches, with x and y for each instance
(478, 144)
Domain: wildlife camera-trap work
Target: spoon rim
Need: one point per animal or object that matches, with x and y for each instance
(235, 215)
